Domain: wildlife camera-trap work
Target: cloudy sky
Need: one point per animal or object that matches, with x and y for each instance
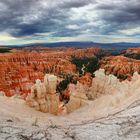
(31, 21)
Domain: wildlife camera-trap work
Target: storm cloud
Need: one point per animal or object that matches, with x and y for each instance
(69, 18)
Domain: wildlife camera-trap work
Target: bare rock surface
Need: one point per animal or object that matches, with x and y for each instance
(43, 95)
(114, 116)
(124, 125)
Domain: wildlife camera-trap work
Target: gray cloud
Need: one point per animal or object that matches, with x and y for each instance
(29, 17)
(74, 3)
(124, 14)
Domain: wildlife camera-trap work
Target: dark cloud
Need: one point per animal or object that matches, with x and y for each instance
(121, 15)
(23, 16)
(29, 17)
(74, 3)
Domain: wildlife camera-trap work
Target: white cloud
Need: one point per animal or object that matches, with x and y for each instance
(131, 31)
(6, 37)
(84, 13)
(73, 27)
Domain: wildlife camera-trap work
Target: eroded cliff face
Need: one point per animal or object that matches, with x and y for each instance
(89, 88)
(103, 97)
(120, 66)
(91, 99)
(133, 50)
(19, 71)
(20, 68)
(43, 96)
(108, 86)
(133, 53)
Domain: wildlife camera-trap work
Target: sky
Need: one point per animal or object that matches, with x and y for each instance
(39, 21)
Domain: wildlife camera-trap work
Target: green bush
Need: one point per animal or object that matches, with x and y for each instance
(4, 50)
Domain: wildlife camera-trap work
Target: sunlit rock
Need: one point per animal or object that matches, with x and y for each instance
(43, 95)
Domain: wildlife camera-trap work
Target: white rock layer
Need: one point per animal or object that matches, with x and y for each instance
(43, 95)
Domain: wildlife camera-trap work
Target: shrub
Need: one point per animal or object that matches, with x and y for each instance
(88, 64)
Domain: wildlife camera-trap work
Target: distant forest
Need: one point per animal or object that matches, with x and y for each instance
(4, 49)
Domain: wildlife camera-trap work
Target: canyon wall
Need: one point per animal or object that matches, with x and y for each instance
(120, 66)
(20, 68)
(133, 53)
(104, 84)
(44, 98)
(19, 71)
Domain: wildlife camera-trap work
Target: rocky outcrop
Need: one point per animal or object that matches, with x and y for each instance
(133, 53)
(19, 71)
(133, 50)
(104, 84)
(115, 113)
(81, 93)
(86, 79)
(120, 66)
(77, 97)
(124, 125)
(43, 96)
(20, 68)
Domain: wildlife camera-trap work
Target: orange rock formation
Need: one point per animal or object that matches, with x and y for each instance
(20, 68)
(133, 50)
(120, 66)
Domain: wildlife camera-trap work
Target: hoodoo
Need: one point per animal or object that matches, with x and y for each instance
(43, 95)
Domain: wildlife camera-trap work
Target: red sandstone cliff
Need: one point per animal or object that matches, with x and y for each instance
(19, 69)
(133, 50)
(120, 66)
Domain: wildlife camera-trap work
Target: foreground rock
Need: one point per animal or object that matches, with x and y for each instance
(103, 87)
(115, 114)
(122, 126)
(43, 96)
